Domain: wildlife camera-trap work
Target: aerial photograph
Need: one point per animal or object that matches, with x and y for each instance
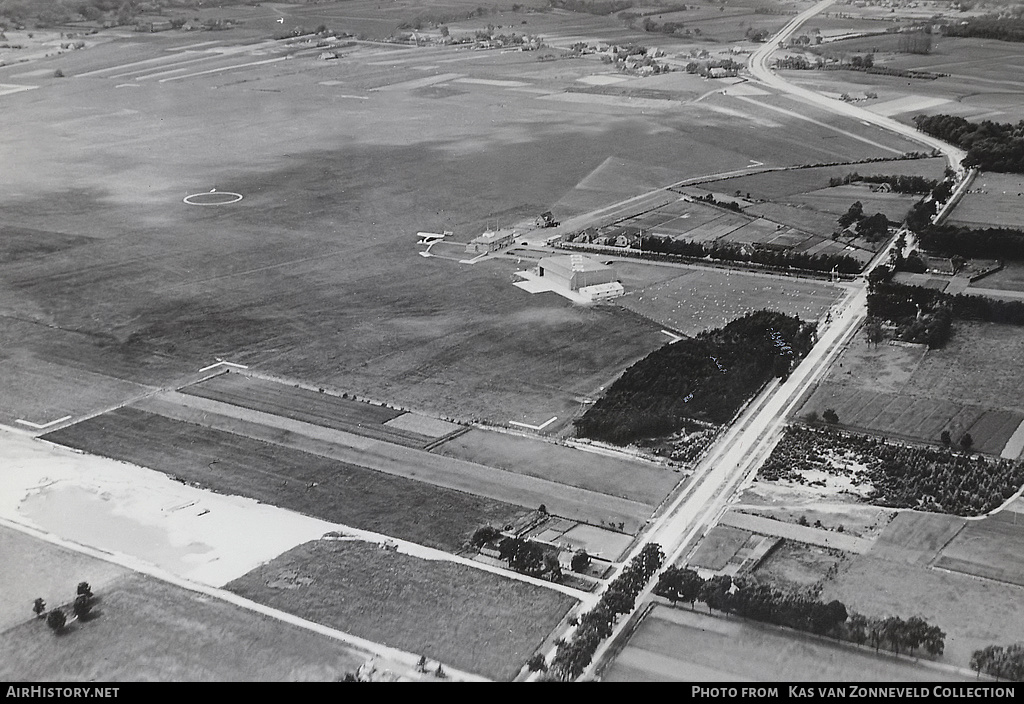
(479, 341)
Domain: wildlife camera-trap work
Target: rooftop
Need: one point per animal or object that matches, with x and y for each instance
(573, 262)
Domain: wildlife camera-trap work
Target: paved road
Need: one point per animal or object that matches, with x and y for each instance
(758, 66)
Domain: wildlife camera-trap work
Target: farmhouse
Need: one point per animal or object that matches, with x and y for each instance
(491, 241)
(588, 277)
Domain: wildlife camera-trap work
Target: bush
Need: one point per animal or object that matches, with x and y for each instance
(830, 416)
(484, 535)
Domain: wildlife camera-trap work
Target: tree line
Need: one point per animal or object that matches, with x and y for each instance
(990, 146)
(706, 378)
(763, 602)
(939, 480)
(999, 662)
(573, 656)
(918, 185)
(781, 258)
(973, 243)
(1001, 27)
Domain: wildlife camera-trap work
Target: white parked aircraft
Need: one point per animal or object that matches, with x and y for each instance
(431, 237)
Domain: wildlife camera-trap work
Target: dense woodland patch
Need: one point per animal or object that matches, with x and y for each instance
(973, 243)
(1002, 27)
(990, 146)
(902, 476)
(707, 378)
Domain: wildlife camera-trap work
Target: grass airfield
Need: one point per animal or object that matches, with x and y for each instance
(314, 274)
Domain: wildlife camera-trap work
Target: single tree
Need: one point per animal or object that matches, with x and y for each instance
(82, 606)
(56, 620)
(966, 442)
(873, 331)
(439, 672)
(855, 213)
(39, 607)
(421, 664)
(580, 560)
(84, 589)
(830, 416)
(553, 567)
(947, 440)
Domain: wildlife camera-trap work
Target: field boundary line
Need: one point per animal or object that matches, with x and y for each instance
(140, 566)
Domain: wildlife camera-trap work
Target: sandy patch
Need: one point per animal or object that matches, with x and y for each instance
(144, 514)
(491, 82)
(908, 103)
(601, 80)
(424, 425)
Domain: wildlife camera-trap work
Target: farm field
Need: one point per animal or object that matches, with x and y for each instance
(981, 84)
(327, 410)
(468, 618)
(971, 385)
(984, 612)
(701, 299)
(915, 537)
(681, 645)
(718, 547)
(837, 200)
(1011, 278)
(988, 548)
(795, 566)
(146, 630)
(329, 489)
(994, 200)
(44, 571)
(779, 185)
(636, 480)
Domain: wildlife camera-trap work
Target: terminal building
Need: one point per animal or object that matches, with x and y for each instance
(587, 277)
(491, 241)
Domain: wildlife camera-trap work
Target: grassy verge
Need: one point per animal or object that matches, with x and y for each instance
(468, 618)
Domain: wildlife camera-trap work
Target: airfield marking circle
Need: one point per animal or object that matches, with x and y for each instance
(213, 198)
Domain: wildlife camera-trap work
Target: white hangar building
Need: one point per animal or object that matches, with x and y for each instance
(576, 272)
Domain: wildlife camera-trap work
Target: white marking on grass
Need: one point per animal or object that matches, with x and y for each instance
(543, 425)
(235, 197)
(224, 68)
(222, 363)
(8, 88)
(38, 426)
